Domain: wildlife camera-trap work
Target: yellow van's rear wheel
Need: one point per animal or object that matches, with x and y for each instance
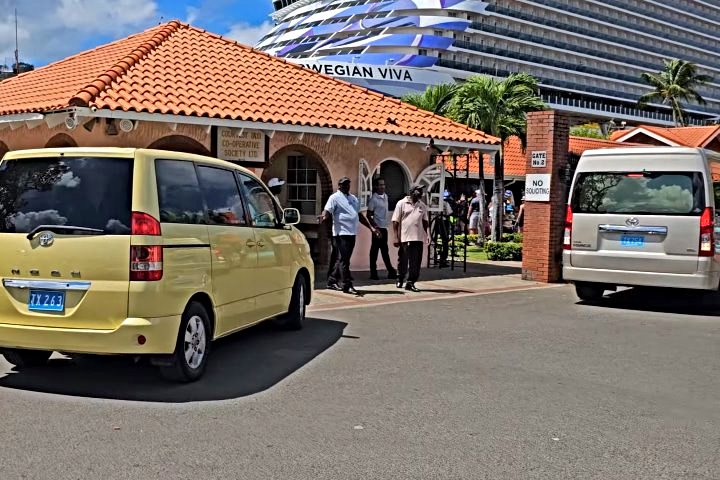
(26, 358)
(192, 347)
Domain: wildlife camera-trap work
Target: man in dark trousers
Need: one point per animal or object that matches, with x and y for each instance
(344, 208)
(410, 223)
(378, 215)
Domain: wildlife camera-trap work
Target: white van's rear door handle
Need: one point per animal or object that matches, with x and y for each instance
(624, 229)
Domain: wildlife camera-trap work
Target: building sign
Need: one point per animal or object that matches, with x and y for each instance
(241, 146)
(537, 187)
(538, 159)
(383, 73)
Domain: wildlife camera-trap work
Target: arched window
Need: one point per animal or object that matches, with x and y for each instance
(397, 182)
(180, 143)
(61, 140)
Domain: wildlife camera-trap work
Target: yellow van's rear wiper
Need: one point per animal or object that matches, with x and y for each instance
(64, 229)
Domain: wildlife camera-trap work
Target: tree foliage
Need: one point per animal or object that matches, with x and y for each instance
(676, 83)
(436, 98)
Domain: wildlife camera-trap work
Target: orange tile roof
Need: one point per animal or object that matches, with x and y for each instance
(515, 157)
(684, 136)
(179, 69)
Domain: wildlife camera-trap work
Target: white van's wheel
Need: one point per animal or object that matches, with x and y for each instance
(192, 347)
(589, 292)
(295, 318)
(26, 358)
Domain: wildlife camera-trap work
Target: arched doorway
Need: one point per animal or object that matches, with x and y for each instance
(397, 180)
(180, 143)
(3, 150)
(307, 188)
(61, 140)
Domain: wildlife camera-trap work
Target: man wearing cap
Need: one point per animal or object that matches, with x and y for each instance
(410, 223)
(275, 185)
(344, 208)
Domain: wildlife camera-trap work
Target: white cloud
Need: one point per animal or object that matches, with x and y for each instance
(68, 180)
(53, 29)
(24, 222)
(193, 13)
(248, 34)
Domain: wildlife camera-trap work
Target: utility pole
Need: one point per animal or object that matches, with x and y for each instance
(17, 50)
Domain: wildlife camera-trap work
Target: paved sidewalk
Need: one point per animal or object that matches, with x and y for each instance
(480, 278)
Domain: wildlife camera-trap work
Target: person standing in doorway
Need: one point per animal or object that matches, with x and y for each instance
(344, 208)
(410, 223)
(377, 214)
(275, 185)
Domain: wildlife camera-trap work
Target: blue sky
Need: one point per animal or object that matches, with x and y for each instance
(51, 30)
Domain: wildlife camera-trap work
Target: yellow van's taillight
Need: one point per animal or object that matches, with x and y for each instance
(567, 239)
(707, 233)
(146, 261)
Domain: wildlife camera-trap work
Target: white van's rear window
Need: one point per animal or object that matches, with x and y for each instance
(78, 191)
(649, 193)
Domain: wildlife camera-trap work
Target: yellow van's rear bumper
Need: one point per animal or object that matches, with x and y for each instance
(160, 337)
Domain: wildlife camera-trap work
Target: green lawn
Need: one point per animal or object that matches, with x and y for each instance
(476, 254)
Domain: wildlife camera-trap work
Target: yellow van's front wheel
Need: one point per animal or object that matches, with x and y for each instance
(26, 358)
(192, 347)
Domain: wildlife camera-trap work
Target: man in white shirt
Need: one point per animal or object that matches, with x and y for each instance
(344, 208)
(377, 214)
(411, 223)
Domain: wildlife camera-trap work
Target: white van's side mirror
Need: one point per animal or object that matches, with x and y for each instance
(291, 216)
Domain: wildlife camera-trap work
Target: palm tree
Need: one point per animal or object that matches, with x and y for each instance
(435, 99)
(677, 82)
(498, 108)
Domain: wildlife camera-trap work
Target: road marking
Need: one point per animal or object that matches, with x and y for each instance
(425, 298)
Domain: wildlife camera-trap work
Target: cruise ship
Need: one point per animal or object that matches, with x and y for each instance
(587, 54)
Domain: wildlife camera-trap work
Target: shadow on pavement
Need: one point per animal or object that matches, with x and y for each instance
(660, 300)
(474, 270)
(243, 364)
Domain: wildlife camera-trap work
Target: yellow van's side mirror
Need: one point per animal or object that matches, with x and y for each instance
(291, 216)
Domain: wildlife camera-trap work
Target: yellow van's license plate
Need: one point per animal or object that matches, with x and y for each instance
(632, 241)
(46, 301)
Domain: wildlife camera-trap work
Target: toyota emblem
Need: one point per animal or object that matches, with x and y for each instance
(632, 222)
(46, 239)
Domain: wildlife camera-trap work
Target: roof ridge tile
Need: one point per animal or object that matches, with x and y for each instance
(89, 92)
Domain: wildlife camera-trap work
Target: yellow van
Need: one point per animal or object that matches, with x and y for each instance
(141, 252)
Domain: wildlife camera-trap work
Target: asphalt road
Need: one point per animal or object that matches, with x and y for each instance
(523, 385)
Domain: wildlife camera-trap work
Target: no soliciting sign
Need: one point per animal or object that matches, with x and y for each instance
(537, 188)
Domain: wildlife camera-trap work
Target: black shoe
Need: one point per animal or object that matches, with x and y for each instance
(334, 286)
(392, 275)
(399, 283)
(444, 264)
(374, 276)
(351, 290)
(410, 287)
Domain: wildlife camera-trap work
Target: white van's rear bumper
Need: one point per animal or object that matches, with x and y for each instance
(696, 281)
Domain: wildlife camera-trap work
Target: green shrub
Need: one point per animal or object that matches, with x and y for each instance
(504, 251)
(471, 239)
(512, 237)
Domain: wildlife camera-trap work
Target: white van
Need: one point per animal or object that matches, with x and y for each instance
(642, 217)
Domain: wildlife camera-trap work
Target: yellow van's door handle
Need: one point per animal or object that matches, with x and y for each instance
(250, 244)
(260, 244)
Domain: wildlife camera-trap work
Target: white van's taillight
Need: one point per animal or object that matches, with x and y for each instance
(146, 261)
(707, 233)
(567, 240)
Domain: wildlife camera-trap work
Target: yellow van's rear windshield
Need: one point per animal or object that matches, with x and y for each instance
(638, 193)
(93, 192)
